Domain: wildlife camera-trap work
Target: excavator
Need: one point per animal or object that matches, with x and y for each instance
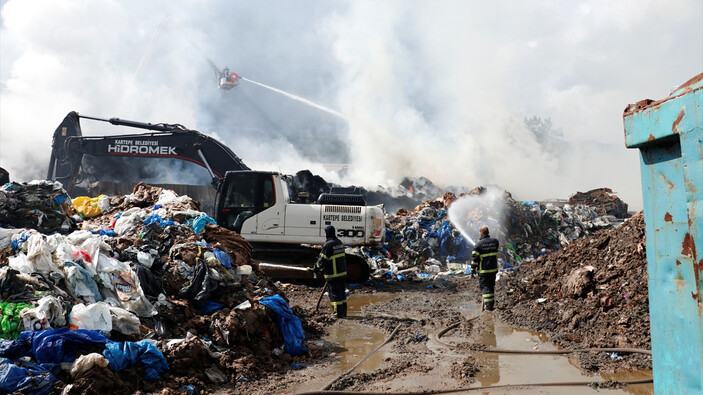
(256, 204)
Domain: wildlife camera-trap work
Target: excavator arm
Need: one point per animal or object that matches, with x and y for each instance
(166, 141)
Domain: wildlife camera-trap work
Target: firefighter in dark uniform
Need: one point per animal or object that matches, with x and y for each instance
(332, 263)
(485, 263)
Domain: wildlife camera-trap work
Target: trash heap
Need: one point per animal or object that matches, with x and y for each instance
(426, 241)
(136, 292)
(593, 293)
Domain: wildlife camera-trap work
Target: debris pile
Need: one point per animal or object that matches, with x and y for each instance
(427, 239)
(593, 293)
(603, 200)
(149, 288)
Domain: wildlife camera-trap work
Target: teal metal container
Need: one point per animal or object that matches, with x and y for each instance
(669, 135)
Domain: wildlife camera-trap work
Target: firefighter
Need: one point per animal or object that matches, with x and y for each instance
(485, 263)
(332, 263)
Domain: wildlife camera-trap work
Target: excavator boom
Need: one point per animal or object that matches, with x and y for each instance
(168, 141)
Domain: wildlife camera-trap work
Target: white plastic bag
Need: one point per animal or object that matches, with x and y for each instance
(123, 321)
(86, 362)
(48, 314)
(95, 316)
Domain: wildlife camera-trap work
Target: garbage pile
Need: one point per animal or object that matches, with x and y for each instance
(135, 292)
(603, 200)
(593, 293)
(427, 240)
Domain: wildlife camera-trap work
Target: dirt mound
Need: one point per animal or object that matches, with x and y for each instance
(593, 293)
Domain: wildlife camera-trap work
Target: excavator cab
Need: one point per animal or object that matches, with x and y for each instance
(241, 195)
(228, 80)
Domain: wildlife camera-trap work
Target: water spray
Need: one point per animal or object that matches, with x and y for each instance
(470, 212)
(296, 97)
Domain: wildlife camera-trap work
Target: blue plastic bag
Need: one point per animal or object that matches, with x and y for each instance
(290, 326)
(121, 356)
(24, 377)
(198, 224)
(156, 218)
(222, 257)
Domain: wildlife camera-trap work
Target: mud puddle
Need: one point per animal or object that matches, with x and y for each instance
(356, 340)
(506, 369)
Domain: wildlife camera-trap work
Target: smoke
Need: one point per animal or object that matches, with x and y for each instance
(428, 89)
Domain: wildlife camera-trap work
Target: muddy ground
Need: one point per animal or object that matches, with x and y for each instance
(417, 358)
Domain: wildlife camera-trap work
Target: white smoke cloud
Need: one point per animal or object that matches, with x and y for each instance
(436, 89)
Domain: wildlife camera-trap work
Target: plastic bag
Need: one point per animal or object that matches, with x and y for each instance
(222, 257)
(198, 224)
(6, 237)
(20, 263)
(47, 314)
(86, 362)
(10, 321)
(130, 293)
(39, 253)
(88, 207)
(123, 321)
(94, 316)
(290, 326)
(80, 283)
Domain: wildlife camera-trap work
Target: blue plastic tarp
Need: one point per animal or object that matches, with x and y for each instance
(24, 377)
(61, 345)
(121, 356)
(290, 326)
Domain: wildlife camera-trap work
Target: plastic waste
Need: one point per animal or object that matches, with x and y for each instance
(89, 207)
(94, 316)
(290, 326)
(198, 224)
(123, 321)
(86, 362)
(59, 345)
(122, 356)
(47, 314)
(24, 377)
(243, 270)
(80, 283)
(10, 321)
(222, 257)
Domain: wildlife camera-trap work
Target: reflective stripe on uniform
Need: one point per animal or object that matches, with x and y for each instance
(334, 274)
(488, 297)
(481, 271)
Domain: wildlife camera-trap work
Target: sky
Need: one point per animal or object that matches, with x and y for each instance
(437, 89)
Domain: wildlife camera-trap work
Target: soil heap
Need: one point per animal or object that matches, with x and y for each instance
(593, 293)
